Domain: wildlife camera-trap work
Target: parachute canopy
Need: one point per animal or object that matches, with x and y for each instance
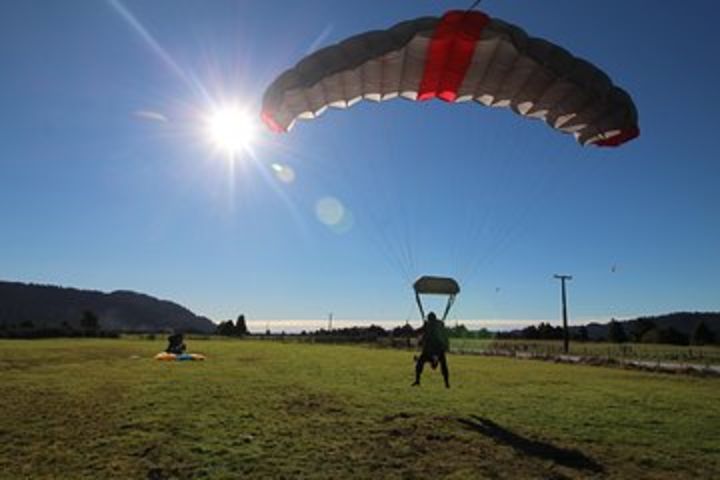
(436, 286)
(462, 56)
(164, 356)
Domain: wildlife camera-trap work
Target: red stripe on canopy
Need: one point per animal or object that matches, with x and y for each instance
(619, 139)
(271, 123)
(449, 54)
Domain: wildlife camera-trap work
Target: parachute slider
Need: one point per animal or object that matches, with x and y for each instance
(429, 285)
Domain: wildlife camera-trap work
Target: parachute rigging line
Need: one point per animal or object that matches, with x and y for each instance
(462, 56)
(475, 4)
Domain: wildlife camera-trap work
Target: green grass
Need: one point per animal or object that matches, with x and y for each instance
(80, 409)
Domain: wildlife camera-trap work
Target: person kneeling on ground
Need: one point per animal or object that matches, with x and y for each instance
(435, 345)
(176, 344)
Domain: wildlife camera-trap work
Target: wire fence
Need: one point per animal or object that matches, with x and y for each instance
(706, 355)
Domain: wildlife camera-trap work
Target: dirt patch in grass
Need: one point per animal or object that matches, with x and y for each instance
(396, 416)
(248, 360)
(306, 403)
(162, 463)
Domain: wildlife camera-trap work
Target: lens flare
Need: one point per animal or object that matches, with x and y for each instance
(331, 212)
(284, 173)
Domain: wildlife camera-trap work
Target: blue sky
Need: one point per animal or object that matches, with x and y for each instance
(108, 182)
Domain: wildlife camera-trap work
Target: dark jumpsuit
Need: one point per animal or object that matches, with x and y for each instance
(175, 344)
(435, 345)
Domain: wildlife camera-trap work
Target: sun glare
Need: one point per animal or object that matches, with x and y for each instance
(231, 130)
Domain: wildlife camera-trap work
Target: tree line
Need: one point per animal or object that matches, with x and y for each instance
(230, 329)
(642, 330)
(355, 334)
(88, 325)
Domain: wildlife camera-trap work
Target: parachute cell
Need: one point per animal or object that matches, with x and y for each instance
(459, 57)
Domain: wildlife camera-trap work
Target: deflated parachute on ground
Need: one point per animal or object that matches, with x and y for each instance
(171, 357)
(465, 55)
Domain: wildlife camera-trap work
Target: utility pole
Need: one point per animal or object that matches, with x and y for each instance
(566, 336)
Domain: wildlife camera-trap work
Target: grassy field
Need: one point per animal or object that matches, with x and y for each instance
(80, 409)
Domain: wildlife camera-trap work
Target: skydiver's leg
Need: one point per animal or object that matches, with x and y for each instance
(444, 370)
(419, 368)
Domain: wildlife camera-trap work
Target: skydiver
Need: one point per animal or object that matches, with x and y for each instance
(176, 344)
(434, 346)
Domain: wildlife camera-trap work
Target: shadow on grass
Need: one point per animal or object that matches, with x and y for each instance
(534, 448)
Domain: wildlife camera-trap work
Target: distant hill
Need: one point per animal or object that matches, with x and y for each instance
(50, 307)
(683, 322)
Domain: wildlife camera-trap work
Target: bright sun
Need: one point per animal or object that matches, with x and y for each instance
(231, 129)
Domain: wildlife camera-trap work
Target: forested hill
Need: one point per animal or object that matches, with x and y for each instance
(680, 328)
(683, 322)
(43, 306)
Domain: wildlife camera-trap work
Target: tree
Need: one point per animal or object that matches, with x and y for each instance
(653, 335)
(405, 331)
(640, 327)
(530, 333)
(226, 328)
(240, 326)
(616, 332)
(483, 333)
(582, 334)
(665, 335)
(702, 335)
(67, 329)
(89, 322)
(459, 331)
(674, 337)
